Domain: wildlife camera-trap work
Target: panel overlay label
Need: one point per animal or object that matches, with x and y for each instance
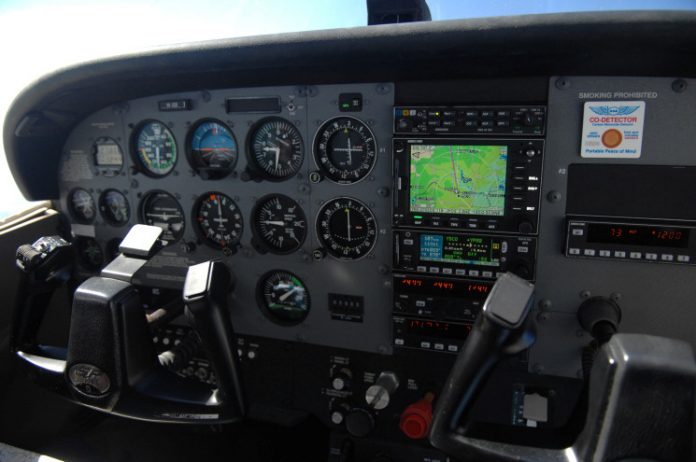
(612, 129)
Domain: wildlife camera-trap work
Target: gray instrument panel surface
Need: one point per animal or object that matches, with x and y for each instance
(655, 298)
(368, 277)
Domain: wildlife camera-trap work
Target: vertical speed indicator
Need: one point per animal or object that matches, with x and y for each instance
(346, 228)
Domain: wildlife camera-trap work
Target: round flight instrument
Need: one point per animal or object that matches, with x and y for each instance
(89, 253)
(279, 223)
(283, 297)
(161, 209)
(114, 207)
(154, 148)
(346, 228)
(108, 158)
(81, 205)
(276, 150)
(345, 150)
(219, 220)
(212, 149)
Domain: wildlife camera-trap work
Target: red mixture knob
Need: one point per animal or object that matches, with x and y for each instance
(416, 418)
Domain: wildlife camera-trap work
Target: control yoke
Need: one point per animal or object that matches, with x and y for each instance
(641, 391)
(110, 363)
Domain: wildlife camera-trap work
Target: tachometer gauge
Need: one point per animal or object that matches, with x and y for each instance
(161, 209)
(345, 150)
(108, 158)
(81, 205)
(276, 151)
(114, 207)
(219, 220)
(212, 149)
(279, 224)
(346, 228)
(283, 297)
(89, 253)
(154, 148)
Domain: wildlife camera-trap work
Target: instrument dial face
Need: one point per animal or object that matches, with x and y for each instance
(108, 158)
(283, 297)
(279, 223)
(276, 149)
(346, 228)
(81, 205)
(114, 207)
(89, 253)
(161, 209)
(345, 150)
(212, 149)
(155, 149)
(219, 220)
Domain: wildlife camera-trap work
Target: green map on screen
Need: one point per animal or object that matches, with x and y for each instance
(458, 179)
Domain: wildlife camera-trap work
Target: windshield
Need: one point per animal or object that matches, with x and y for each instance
(39, 36)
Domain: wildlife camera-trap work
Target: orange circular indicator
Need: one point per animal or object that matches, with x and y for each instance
(612, 138)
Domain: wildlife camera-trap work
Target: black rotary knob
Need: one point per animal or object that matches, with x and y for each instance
(360, 422)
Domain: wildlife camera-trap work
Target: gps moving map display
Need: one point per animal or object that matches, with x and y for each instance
(458, 179)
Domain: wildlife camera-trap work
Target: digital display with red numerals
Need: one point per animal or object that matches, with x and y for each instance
(435, 286)
(437, 329)
(641, 235)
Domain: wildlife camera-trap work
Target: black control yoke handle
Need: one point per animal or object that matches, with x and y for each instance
(110, 363)
(205, 295)
(636, 382)
(502, 329)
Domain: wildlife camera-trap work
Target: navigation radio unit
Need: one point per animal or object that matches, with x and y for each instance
(468, 184)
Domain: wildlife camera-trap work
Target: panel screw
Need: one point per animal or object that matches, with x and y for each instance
(615, 296)
(553, 196)
(545, 304)
(679, 86)
(585, 294)
(562, 83)
(538, 369)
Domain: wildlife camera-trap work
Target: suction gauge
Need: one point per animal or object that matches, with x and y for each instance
(283, 297)
(345, 150)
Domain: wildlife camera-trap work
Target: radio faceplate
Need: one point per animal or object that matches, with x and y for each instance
(654, 243)
(468, 184)
(464, 255)
(470, 120)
